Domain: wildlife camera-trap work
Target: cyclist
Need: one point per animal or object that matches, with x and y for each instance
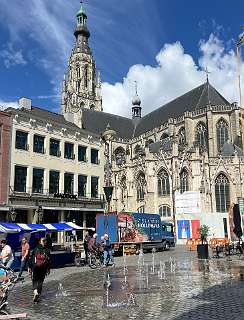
(92, 245)
(107, 253)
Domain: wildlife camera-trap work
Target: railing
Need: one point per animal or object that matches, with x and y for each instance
(61, 195)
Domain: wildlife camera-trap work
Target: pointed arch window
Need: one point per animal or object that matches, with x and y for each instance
(86, 77)
(140, 187)
(120, 156)
(222, 193)
(184, 185)
(78, 72)
(202, 135)
(163, 183)
(164, 211)
(222, 133)
(123, 187)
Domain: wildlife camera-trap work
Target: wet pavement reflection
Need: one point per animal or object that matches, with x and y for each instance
(158, 287)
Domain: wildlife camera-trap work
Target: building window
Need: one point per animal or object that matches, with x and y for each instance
(184, 181)
(222, 193)
(21, 141)
(38, 145)
(141, 209)
(202, 135)
(120, 157)
(123, 187)
(82, 153)
(94, 187)
(54, 148)
(94, 156)
(69, 150)
(140, 188)
(38, 179)
(222, 133)
(53, 182)
(182, 137)
(165, 211)
(82, 183)
(20, 179)
(163, 183)
(68, 183)
(86, 77)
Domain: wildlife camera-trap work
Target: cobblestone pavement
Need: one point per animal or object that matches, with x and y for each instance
(177, 286)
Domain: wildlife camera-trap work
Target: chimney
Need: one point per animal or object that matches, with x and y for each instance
(25, 103)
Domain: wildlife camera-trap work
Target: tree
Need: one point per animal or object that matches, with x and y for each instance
(203, 231)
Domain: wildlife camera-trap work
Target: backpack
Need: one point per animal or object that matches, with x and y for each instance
(41, 259)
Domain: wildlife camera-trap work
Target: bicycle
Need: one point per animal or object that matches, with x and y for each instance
(95, 259)
(4, 290)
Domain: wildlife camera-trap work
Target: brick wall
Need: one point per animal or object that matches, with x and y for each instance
(5, 152)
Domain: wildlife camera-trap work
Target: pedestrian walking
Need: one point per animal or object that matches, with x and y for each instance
(86, 242)
(39, 267)
(25, 252)
(6, 254)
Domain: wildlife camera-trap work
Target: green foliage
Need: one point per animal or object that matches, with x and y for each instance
(203, 231)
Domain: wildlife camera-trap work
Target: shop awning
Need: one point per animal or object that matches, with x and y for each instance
(51, 227)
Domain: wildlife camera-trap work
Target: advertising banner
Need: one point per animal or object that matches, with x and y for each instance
(188, 202)
(139, 227)
(195, 224)
(183, 227)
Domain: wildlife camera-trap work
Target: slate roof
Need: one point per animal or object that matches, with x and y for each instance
(48, 117)
(197, 98)
(96, 121)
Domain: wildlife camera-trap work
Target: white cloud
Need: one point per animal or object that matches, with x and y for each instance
(12, 57)
(8, 104)
(176, 72)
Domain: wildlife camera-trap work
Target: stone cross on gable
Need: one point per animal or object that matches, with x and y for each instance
(207, 73)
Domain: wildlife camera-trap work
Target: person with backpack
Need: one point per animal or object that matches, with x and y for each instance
(39, 267)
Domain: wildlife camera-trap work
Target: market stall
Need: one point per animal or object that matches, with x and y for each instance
(61, 255)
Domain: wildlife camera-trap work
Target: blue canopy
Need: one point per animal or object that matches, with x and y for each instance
(49, 227)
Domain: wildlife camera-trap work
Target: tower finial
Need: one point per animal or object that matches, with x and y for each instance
(207, 73)
(136, 87)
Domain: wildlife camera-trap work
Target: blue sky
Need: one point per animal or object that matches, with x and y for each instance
(162, 44)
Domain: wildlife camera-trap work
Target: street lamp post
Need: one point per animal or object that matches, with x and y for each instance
(40, 214)
(12, 214)
(108, 135)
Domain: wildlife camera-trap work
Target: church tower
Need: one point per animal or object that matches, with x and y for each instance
(81, 84)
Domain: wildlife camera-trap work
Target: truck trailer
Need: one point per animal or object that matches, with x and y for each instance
(131, 231)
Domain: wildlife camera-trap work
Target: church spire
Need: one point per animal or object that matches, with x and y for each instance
(81, 85)
(82, 33)
(136, 105)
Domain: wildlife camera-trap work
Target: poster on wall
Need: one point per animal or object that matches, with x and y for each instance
(188, 202)
(184, 231)
(195, 224)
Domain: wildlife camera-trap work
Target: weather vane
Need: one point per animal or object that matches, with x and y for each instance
(207, 73)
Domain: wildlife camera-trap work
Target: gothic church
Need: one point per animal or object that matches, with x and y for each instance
(190, 144)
